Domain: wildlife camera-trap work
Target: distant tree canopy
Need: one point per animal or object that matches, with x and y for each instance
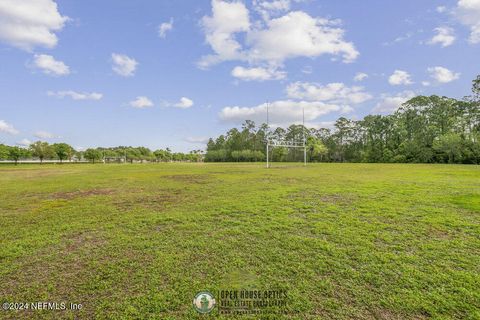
(426, 129)
(131, 154)
(61, 151)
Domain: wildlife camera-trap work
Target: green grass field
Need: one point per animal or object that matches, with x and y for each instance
(346, 241)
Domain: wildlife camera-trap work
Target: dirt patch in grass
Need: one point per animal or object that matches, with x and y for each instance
(231, 172)
(32, 174)
(2, 170)
(155, 201)
(82, 241)
(81, 194)
(70, 272)
(439, 234)
(54, 270)
(385, 314)
(312, 198)
(188, 178)
(337, 198)
(46, 173)
(42, 264)
(167, 225)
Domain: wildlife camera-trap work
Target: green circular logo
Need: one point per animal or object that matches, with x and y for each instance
(204, 302)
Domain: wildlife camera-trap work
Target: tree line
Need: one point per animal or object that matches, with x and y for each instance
(425, 129)
(42, 150)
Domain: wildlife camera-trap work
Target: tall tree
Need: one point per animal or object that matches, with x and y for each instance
(92, 155)
(316, 149)
(4, 152)
(17, 153)
(63, 151)
(449, 148)
(476, 89)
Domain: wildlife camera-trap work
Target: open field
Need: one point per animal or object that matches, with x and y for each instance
(346, 241)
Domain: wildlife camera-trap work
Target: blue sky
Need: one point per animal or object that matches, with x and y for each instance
(173, 73)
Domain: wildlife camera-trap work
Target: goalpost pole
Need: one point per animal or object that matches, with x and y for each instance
(267, 137)
(304, 142)
(295, 144)
(267, 157)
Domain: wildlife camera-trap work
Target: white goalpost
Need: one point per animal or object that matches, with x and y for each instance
(270, 142)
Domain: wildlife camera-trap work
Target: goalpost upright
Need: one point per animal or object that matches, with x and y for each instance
(268, 140)
(287, 144)
(304, 141)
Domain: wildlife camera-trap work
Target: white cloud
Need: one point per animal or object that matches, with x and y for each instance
(227, 19)
(6, 127)
(475, 35)
(360, 77)
(336, 93)
(268, 8)
(141, 102)
(24, 142)
(50, 66)
(400, 77)
(390, 103)
(316, 99)
(307, 70)
(399, 39)
(346, 109)
(270, 42)
(76, 95)
(184, 103)
(45, 135)
(257, 74)
(283, 112)
(297, 34)
(26, 24)
(445, 36)
(124, 65)
(164, 28)
(468, 13)
(197, 140)
(321, 125)
(443, 75)
(441, 9)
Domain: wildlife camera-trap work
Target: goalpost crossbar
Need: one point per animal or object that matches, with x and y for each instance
(287, 144)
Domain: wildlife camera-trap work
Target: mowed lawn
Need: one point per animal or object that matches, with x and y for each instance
(347, 241)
